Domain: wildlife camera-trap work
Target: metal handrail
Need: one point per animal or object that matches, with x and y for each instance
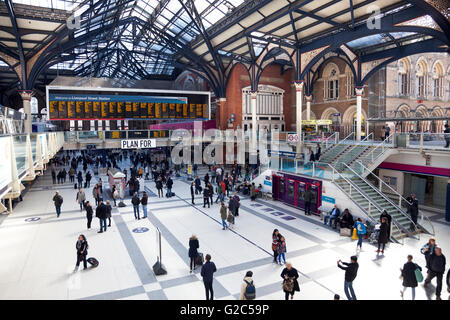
(395, 192)
(364, 196)
(385, 197)
(339, 143)
(336, 134)
(380, 145)
(355, 146)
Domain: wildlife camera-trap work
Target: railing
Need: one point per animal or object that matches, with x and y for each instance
(368, 212)
(388, 200)
(421, 140)
(349, 154)
(400, 197)
(381, 146)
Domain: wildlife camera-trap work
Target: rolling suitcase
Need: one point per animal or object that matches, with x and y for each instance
(199, 260)
(93, 262)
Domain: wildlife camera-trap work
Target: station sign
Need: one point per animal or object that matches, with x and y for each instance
(138, 143)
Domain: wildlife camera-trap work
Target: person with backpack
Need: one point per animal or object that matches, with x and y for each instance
(81, 198)
(409, 276)
(223, 215)
(290, 283)
(281, 249)
(193, 253)
(89, 213)
(248, 291)
(351, 270)
(135, 201)
(360, 231)
(144, 201)
(82, 247)
(58, 201)
(207, 273)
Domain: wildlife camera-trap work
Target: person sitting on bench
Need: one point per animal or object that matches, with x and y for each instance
(346, 221)
(333, 215)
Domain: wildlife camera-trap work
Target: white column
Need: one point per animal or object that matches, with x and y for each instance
(254, 96)
(308, 107)
(359, 93)
(26, 98)
(299, 102)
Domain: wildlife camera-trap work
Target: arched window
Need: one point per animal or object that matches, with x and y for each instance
(438, 81)
(403, 77)
(350, 82)
(421, 75)
(331, 82)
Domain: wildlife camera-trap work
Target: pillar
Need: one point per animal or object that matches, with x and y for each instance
(26, 98)
(254, 96)
(222, 118)
(299, 101)
(359, 93)
(308, 106)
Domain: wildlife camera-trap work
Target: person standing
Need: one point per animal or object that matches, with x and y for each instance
(387, 133)
(206, 197)
(207, 273)
(252, 192)
(96, 194)
(192, 191)
(360, 231)
(383, 236)
(115, 195)
(413, 208)
(388, 217)
(447, 136)
(58, 201)
(276, 236)
(308, 196)
(198, 186)
(290, 282)
(135, 201)
(100, 213)
(53, 174)
(281, 250)
(427, 250)
(108, 210)
(231, 220)
(80, 179)
(351, 270)
(144, 201)
(82, 247)
(409, 276)
(437, 269)
(193, 253)
(237, 203)
(72, 175)
(246, 284)
(223, 215)
(211, 192)
(318, 152)
(88, 179)
(169, 185)
(89, 213)
(81, 198)
(159, 187)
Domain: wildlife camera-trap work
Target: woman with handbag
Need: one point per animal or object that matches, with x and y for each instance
(411, 273)
(290, 283)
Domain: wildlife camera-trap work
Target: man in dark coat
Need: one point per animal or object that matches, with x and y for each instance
(100, 213)
(207, 273)
(136, 201)
(409, 276)
(351, 270)
(192, 192)
(108, 209)
(308, 196)
(206, 197)
(89, 212)
(197, 185)
(58, 200)
(383, 236)
(437, 269)
(386, 215)
(413, 209)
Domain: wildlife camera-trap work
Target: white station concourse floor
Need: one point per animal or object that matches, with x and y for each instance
(38, 255)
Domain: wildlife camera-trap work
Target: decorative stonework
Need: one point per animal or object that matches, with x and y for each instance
(366, 67)
(441, 6)
(424, 22)
(308, 56)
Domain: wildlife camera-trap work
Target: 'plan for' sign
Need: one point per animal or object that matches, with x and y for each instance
(138, 143)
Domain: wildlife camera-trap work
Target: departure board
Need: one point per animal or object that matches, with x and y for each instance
(122, 107)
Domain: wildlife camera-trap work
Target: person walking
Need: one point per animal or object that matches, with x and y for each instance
(82, 247)
(72, 175)
(247, 287)
(108, 210)
(81, 198)
(198, 187)
(206, 197)
(89, 213)
(383, 236)
(427, 250)
(413, 209)
(136, 201)
(193, 253)
(58, 201)
(223, 215)
(308, 196)
(351, 270)
(144, 201)
(360, 231)
(276, 236)
(207, 273)
(159, 187)
(193, 192)
(96, 194)
(409, 276)
(281, 250)
(88, 178)
(80, 179)
(290, 282)
(437, 269)
(100, 213)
